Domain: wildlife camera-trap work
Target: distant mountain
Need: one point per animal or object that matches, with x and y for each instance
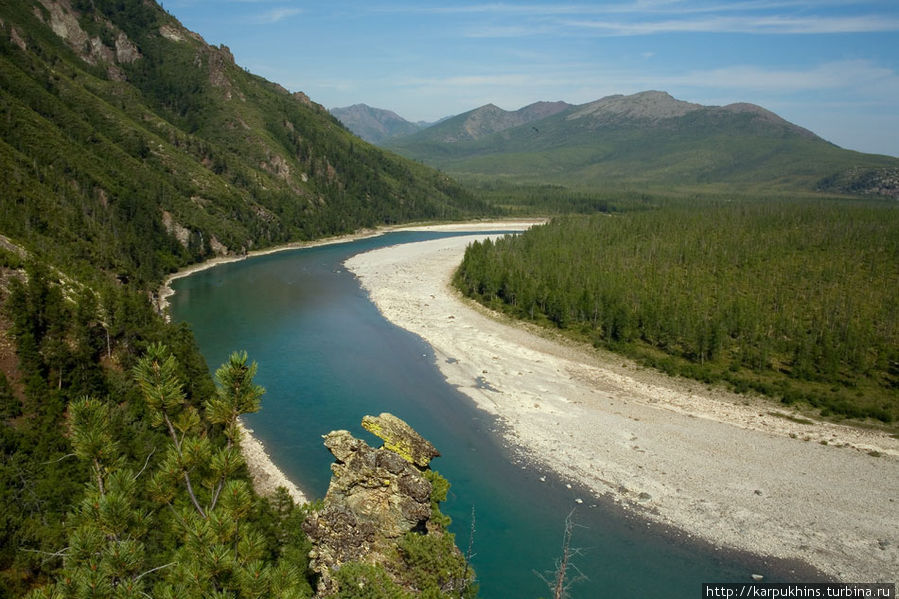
(646, 139)
(374, 125)
(486, 120)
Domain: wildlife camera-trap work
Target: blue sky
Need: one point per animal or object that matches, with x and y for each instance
(830, 66)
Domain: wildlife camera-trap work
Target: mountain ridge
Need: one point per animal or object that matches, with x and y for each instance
(489, 119)
(645, 139)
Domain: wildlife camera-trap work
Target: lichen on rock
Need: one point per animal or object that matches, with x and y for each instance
(401, 438)
(377, 496)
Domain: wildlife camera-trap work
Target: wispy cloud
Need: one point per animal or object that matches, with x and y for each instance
(746, 24)
(858, 79)
(275, 14)
(638, 7)
(508, 31)
(648, 17)
(853, 76)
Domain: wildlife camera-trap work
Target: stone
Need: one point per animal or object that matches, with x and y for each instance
(401, 439)
(375, 497)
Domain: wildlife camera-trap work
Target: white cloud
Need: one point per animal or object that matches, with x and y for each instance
(745, 24)
(275, 14)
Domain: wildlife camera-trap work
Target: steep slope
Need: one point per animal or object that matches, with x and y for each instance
(649, 139)
(130, 147)
(130, 144)
(374, 125)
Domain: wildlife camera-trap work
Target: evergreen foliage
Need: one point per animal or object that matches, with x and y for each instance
(367, 581)
(795, 299)
(435, 568)
(113, 486)
(140, 166)
(209, 532)
(60, 345)
(439, 489)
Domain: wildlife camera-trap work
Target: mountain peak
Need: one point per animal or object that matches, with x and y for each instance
(649, 105)
(374, 125)
(489, 119)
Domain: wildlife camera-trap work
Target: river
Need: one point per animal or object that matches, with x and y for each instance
(327, 357)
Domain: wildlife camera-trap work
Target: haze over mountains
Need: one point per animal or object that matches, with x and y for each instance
(648, 138)
(375, 125)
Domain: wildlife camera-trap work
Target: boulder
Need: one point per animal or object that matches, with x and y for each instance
(401, 438)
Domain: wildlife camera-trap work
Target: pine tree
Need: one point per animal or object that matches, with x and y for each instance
(211, 534)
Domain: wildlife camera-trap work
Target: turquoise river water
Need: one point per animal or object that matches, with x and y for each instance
(327, 357)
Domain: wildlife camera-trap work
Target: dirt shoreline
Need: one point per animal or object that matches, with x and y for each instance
(266, 475)
(719, 466)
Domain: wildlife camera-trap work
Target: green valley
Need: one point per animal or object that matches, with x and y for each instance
(719, 243)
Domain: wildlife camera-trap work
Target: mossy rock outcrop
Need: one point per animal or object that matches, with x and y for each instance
(377, 498)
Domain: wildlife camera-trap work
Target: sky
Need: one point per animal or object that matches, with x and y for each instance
(831, 66)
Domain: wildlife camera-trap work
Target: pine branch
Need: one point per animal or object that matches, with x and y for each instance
(99, 470)
(193, 497)
(139, 576)
(146, 463)
(215, 495)
(68, 455)
(172, 433)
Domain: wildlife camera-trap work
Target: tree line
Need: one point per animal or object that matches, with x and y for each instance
(794, 299)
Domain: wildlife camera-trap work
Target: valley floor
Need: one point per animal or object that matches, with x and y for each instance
(715, 465)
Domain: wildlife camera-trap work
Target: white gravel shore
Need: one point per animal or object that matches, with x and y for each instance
(716, 465)
(267, 477)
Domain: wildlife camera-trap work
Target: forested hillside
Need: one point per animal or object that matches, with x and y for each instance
(130, 145)
(129, 148)
(795, 299)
